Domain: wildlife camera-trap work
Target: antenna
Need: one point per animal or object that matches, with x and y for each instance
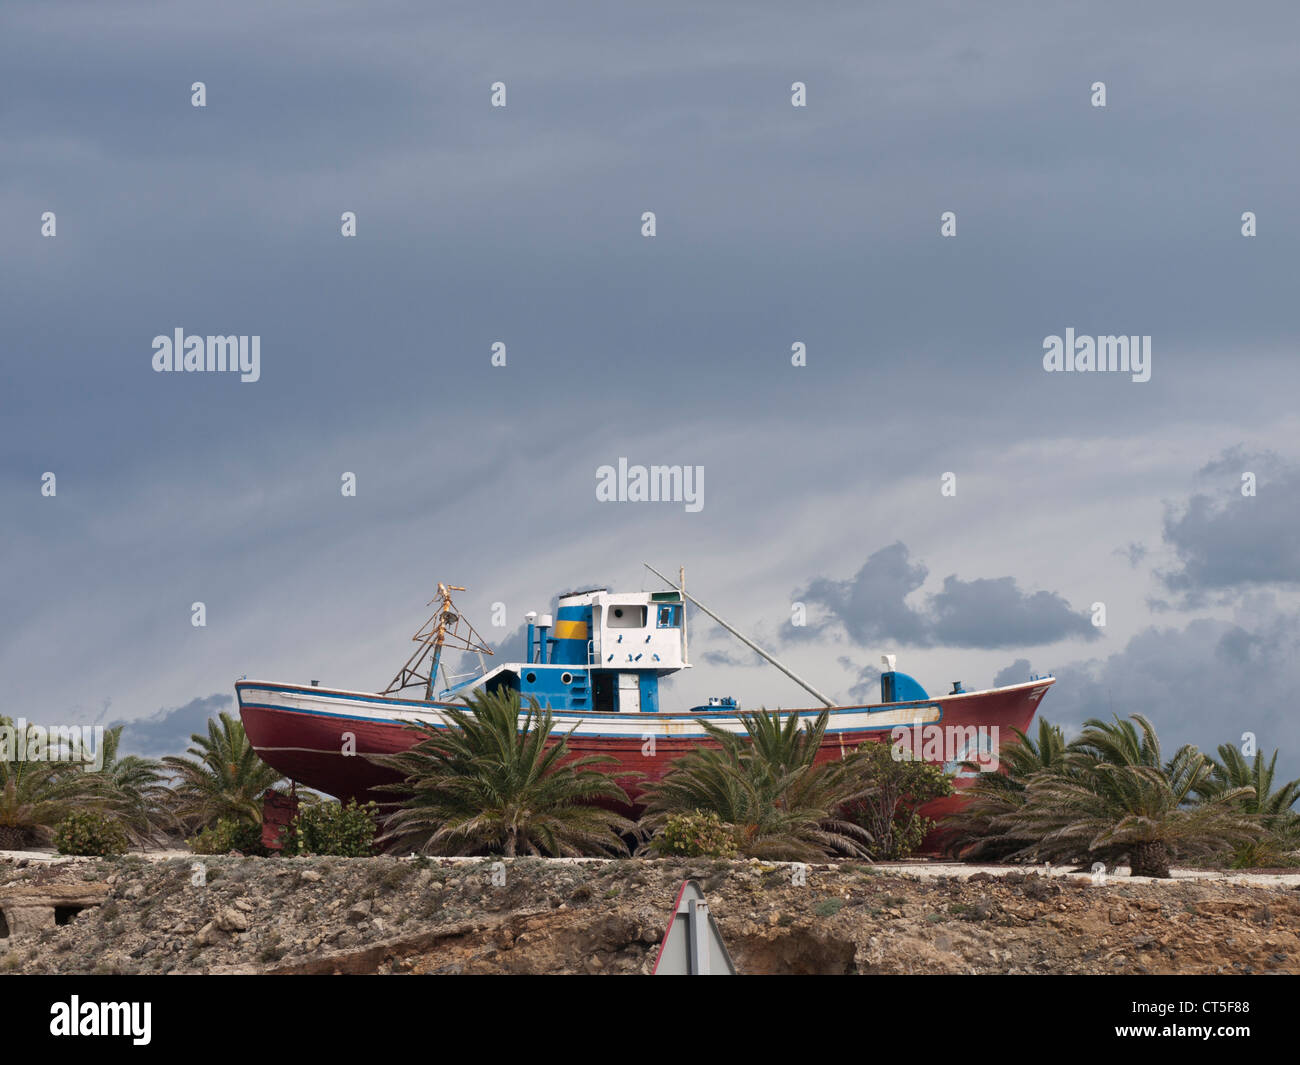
(446, 628)
(745, 640)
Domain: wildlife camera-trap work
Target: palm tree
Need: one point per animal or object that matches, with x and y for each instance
(491, 784)
(1233, 771)
(36, 795)
(220, 776)
(1114, 795)
(766, 786)
(135, 789)
(1273, 808)
(969, 832)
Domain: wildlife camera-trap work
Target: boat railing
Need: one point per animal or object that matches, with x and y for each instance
(450, 680)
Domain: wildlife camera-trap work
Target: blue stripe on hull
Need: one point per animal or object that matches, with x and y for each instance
(691, 716)
(588, 716)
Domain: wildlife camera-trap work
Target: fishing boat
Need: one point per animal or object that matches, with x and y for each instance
(597, 663)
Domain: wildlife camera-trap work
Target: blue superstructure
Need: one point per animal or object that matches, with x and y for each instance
(602, 651)
(605, 651)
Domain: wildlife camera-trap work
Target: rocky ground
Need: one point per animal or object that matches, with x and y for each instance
(326, 915)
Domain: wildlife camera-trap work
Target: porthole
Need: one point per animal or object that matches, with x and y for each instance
(530, 677)
(566, 678)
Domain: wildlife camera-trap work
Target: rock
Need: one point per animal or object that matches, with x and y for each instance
(311, 875)
(209, 934)
(293, 923)
(1038, 890)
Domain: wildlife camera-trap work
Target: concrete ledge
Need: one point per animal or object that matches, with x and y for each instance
(30, 909)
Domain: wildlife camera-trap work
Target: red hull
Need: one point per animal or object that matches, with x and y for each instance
(303, 745)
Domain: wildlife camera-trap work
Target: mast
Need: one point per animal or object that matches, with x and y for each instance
(743, 638)
(686, 658)
(446, 628)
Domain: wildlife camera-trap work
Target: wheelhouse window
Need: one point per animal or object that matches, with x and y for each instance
(670, 616)
(625, 616)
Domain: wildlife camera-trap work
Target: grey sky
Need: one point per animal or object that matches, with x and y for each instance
(775, 225)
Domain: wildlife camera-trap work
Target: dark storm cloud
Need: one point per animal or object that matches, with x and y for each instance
(1013, 674)
(169, 731)
(985, 612)
(1207, 683)
(866, 685)
(870, 605)
(996, 613)
(1228, 540)
(522, 224)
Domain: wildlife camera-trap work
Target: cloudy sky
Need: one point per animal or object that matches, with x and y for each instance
(775, 225)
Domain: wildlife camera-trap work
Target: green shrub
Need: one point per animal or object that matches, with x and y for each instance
(695, 835)
(332, 828)
(1265, 853)
(228, 834)
(779, 802)
(888, 811)
(89, 833)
